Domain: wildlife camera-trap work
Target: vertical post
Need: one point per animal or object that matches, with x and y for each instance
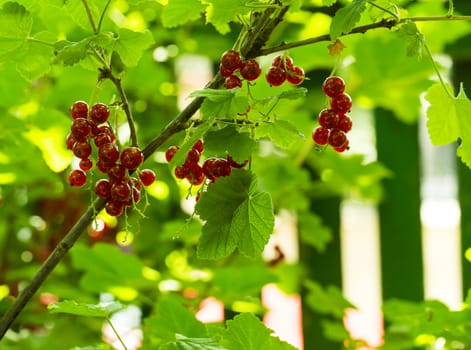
(399, 212)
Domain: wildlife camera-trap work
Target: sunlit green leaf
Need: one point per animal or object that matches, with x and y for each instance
(413, 38)
(130, 45)
(89, 310)
(15, 26)
(220, 12)
(282, 132)
(178, 12)
(346, 18)
(229, 141)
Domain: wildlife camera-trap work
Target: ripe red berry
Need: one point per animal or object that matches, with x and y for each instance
(114, 207)
(275, 76)
(250, 69)
(295, 76)
(344, 123)
(85, 164)
(199, 146)
(103, 188)
(70, 141)
(320, 135)
(79, 109)
(192, 157)
(333, 86)
(225, 72)
(99, 113)
(102, 139)
(196, 175)
(147, 177)
(120, 191)
(283, 61)
(341, 103)
(103, 166)
(131, 158)
(82, 150)
(135, 183)
(80, 128)
(116, 173)
(231, 60)
(232, 82)
(77, 178)
(216, 167)
(234, 164)
(342, 148)
(105, 129)
(170, 152)
(181, 172)
(328, 118)
(109, 153)
(337, 138)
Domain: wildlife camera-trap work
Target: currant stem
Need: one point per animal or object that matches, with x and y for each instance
(102, 16)
(90, 16)
(437, 71)
(116, 333)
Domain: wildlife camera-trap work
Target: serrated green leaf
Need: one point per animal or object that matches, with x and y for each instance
(178, 12)
(193, 344)
(221, 12)
(130, 45)
(247, 332)
(413, 38)
(33, 60)
(442, 119)
(293, 94)
(76, 10)
(229, 141)
(226, 105)
(283, 133)
(15, 26)
(81, 309)
(172, 319)
(328, 300)
(345, 18)
(313, 232)
(231, 205)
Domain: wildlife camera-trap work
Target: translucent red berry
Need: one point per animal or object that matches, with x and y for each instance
(116, 173)
(81, 129)
(77, 178)
(99, 113)
(170, 152)
(231, 60)
(283, 61)
(192, 157)
(232, 81)
(120, 191)
(79, 110)
(199, 146)
(295, 75)
(328, 118)
(341, 103)
(250, 69)
(70, 141)
(85, 164)
(131, 158)
(344, 123)
(320, 135)
(342, 148)
(333, 86)
(103, 188)
(147, 177)
(114, 207)
(82, 149)
(337, 138)
(275, 76)
(109, 153)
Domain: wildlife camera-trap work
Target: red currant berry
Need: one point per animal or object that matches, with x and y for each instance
(135, 197)
(192, 157)
(275, 76)
(225, 72)
(343, 148)
(337, 138)
(120, 191)
(234, 164)
(328, 118)
(82, 150)
(114, 207)
(320, 135)
(102, 139)
(70, 141)
(80, 128)
(99, 113)
(131, 158)
(147, 177)
(79, 110)
(105, 129)
(333, 86)
(231, 60)
(103, 166)
(216, 167)
(170, 152)
(250, 69)
(199, 146)
(345, 123)
(109, 153)
(341, 103)
(116, 173)
(232, 82)
(196, 175)
(135, 183)
(181, 172)
(77, 178)
(283, 61)
(295, 76)
(103, 188)
(85, 164)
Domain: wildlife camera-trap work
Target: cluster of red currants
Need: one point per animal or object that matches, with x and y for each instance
(195, 173)
(231, 63)
(119, 188)
(334, 123)
(283, 69)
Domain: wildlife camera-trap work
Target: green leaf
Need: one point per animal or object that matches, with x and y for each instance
(282, 132)
(230, 141)
(236, 214)
(313, 232)
(221, 103)
(81, 309)
(247, 332)
(413, 38)
(327, 300)
(345, 18)
(442, 118)
(15, 26)
(221, 12)
(178, 12)
(130, 45)
(173, 319)
(193, 344)
(33, 60)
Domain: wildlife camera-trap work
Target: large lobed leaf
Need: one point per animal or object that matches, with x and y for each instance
(236, 215)
(346, 18)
